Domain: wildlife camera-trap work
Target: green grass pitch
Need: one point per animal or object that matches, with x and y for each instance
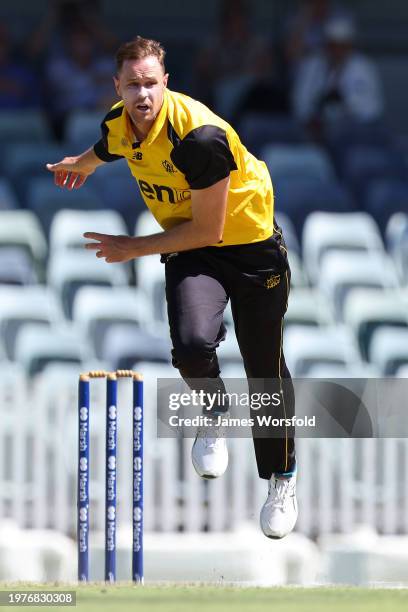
(200, 598)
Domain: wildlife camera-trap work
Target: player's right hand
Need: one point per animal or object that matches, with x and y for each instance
(70, 173)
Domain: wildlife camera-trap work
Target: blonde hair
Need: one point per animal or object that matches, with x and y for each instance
(139, 48)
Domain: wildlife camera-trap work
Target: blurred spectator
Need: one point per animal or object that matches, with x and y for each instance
(305, 30)
(338, 84)
(234, 61)
(80, 78)
(18, 83)
(63, 15)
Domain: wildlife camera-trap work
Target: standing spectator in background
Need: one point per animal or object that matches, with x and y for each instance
(337, 85)
(305, 30)
(18, 83)
(62, 15)
(79, 79)
(234, 60)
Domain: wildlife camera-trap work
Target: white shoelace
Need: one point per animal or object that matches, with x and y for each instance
(212, 436)
(279, 491)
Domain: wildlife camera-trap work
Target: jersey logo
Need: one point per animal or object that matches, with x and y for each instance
(168, 167)
(137, 155)
(163, 193)
(272, 281)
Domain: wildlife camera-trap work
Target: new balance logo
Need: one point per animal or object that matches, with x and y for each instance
(168, 167)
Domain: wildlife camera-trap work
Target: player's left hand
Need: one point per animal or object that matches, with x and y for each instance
(114, 249)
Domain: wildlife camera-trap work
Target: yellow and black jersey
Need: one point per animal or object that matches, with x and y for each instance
(189, 147)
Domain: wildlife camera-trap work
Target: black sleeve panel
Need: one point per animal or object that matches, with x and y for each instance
(101, 148)
(204, 156)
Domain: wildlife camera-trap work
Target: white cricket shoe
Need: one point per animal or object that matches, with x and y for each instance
(279, 512)
(209, 453)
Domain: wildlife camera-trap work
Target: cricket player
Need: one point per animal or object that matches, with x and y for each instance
(215, 204)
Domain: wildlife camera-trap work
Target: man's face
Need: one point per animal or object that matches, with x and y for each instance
(141, 85)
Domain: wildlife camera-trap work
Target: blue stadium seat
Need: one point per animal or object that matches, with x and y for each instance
(397, 242)
(68, 227)
(308, 307)
(367, 310)
(118, 190)
(298, 198)
(325, 231)
(126, 344)
(8, 199)
(25, 161)
(20, 228)
(150, 278)
(16, 267)
(45, 199)
(289, 232)
(257, 130)
(23, 126)
(37, 345)
(83, 130)
(26, 304)
(96, 309)
(342, 272)
(307, 346)
(298, 162)
(67, 274)
(363, 164)
(384, 197)
(389, 349)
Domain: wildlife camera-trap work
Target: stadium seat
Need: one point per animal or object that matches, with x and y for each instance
(68, 227)
(298, 198)
(396, 237)
(20, 305)
(366, 310)
(389, 349)
(20, 228)
(66, 274)
(384, 197)
(146, 224)
(344, 135)
(37, 345)
(16, 267)
(402, 371)
(341, 272)
(96, 309)
(119, 191)
(324, 231)
(327, 371)
(8, 199)
(257, 130)
(83, 130)
(126, 344)
(306, 346)
(23, 126)
(298, 276)
(298, 161)
(308, 307)
(363, 163)
(45, 199)
(25, 161)
(228, 351)
(289, 232)
(150, 278)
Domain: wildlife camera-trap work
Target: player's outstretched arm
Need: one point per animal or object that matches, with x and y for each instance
(72, 172)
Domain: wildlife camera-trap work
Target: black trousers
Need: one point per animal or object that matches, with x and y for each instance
(256, 279)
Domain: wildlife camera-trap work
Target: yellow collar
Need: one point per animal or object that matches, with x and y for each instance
(154, 130)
